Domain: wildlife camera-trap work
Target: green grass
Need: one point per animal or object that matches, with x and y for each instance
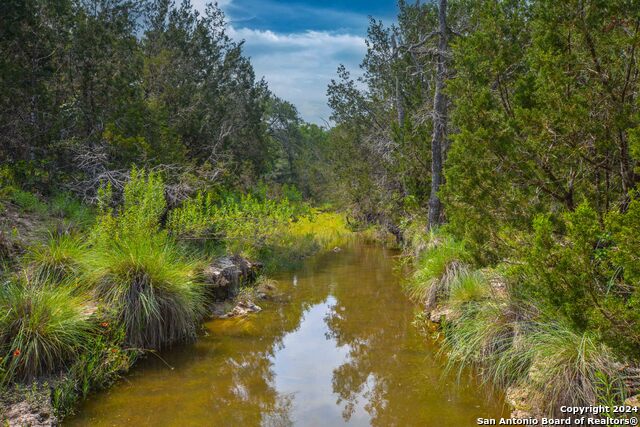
(567, 366)
(65, 206)
(152, 288)
(437, 268)
(512, 345)
(27, 201)
(42, 328)
(59, 259)
(468, 287)
(482, 335)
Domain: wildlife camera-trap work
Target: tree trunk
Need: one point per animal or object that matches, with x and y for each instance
(399, 103)
(438, 142)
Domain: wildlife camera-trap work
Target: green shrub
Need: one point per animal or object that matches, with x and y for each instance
(42, 328)
(277, 231)
(587, 270)
(193, 220)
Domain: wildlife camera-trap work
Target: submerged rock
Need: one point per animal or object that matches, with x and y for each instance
(242, 309)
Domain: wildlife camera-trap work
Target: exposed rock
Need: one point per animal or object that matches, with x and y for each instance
(633, 401)
(497, 283)
(524, 401)
(631, 378)
(439, 314)
(25, 414)
(242, 309)
(226, 275)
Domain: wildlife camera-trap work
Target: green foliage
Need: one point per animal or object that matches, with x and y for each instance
(567, 367)
(137, 269)
(42, 327)
(515, 344)
(27, 201)
(193, 219)
(65, 206)
(277, 230)
(468, 287)
(152, 287)
(483, 333)
(59, 259)
(588, 270)
(437, 268)
(102, 363)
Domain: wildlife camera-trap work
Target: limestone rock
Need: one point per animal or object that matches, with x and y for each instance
(525, 402)
(242, 309)
(633, 401)
(226, 275)
(439, 314)
(23, 414)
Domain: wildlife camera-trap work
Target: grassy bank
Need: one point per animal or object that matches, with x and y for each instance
(491, 325)
(87, 290)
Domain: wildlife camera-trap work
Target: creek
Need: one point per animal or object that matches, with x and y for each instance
(335, 346)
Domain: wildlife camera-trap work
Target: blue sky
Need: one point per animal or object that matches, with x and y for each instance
(297, 45)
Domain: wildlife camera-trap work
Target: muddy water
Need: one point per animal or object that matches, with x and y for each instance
(337, 347)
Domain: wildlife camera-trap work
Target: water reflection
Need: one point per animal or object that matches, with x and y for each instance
(337, 348)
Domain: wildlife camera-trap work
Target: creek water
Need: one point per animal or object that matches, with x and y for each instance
(336, 346)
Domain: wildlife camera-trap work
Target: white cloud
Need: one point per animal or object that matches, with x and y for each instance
(299, 66)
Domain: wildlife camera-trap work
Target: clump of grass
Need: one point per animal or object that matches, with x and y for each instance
(438, 267)
(152, 288)
(59, 259)
(484, 334)
(468, 287)
(27, 201)
(65, 206)
(41, 328)
(567, 367)
(512, 345)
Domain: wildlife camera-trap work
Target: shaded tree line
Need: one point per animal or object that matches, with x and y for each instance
(530, 111)
(91, 87)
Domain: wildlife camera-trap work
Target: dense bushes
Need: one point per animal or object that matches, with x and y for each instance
(278, 231)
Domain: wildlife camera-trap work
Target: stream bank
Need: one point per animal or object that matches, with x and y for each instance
(32, 405)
